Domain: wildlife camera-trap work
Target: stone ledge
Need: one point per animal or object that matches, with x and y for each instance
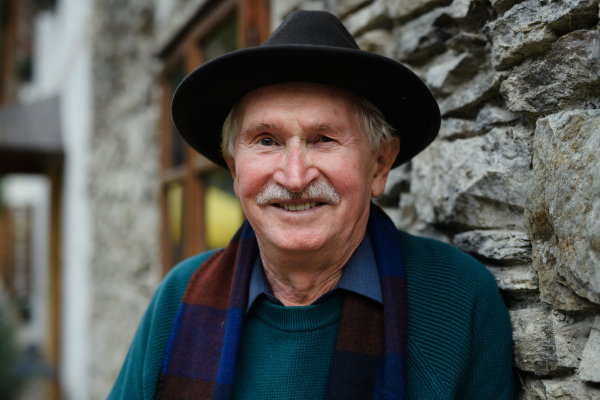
(502, 247)
(520, 278)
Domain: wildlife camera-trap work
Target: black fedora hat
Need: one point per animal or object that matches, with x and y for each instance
(309, 46)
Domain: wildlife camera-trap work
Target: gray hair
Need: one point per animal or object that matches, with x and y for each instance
(367, 115)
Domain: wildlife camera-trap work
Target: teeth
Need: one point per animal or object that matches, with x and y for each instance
(298, 207)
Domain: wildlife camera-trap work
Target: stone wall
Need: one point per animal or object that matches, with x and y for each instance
(514, 176)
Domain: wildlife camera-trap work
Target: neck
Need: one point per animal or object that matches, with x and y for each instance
(299, 278)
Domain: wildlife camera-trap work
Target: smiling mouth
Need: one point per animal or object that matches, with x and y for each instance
(299, 207)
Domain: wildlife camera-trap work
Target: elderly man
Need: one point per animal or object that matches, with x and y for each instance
(317, 295)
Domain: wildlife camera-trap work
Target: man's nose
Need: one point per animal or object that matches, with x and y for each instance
(296, 171)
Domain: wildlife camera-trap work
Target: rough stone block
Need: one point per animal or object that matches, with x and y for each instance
(589, 369)
(455, 128)
(529, 28)
(490, 116)
(502, 6)
(379, 41)
(533, 347)
(569, 387)
(571, 332)
(342, 8)
(500, 247)
(549, 343)
(467, 42)
(533, 389)
(420, 39)
(402, 10)
(520, 278)
(563, 208)
(372, 16)
(467, 15)
(465, 100)
(449, 71)
(569, 72)
(575, 389)
(474, 183)
(408, 221)
(424, 37)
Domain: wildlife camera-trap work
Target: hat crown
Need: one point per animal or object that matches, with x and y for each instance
(315, 28)
(309, 46)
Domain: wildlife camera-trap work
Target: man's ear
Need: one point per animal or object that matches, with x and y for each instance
(230, 161)
(230, 164)
(385, 160)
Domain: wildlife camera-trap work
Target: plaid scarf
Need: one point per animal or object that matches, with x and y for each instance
(370, 356)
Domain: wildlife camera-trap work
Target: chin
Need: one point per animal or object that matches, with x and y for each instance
(298, 240)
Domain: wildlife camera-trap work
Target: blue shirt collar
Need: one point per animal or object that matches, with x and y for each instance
(359, 276)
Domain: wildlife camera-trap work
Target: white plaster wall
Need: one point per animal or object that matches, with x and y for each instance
(62, 66)
(76, 232)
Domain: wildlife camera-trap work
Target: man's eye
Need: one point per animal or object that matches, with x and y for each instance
(266, 141)
(324, 139)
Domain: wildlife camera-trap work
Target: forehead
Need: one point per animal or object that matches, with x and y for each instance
(320, 103)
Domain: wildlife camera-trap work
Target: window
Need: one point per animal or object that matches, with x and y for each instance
(199, 208)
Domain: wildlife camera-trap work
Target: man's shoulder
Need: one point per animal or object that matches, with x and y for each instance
(454, 311)
(170, 291)
(138, 375)
(435, 264)
(178, 278)
(441, 280)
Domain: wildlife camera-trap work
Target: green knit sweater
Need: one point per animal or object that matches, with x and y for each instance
(459, 333)
(285, 352)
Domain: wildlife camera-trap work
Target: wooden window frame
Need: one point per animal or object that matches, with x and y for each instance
(253, 28)
(7, 51)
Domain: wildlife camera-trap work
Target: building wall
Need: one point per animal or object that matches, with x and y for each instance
(514, 163)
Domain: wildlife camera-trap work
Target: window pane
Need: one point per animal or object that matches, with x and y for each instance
(174, 197)
(176, 141)
(221, 41)
(223, 213)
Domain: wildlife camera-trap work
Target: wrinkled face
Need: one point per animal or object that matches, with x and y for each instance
(303, 169)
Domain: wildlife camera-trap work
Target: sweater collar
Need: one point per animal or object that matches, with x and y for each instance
(359, 276)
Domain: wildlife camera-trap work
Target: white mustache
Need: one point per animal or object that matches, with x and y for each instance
(320, 190)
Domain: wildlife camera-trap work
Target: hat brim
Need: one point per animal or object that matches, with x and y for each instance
(205, 97)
